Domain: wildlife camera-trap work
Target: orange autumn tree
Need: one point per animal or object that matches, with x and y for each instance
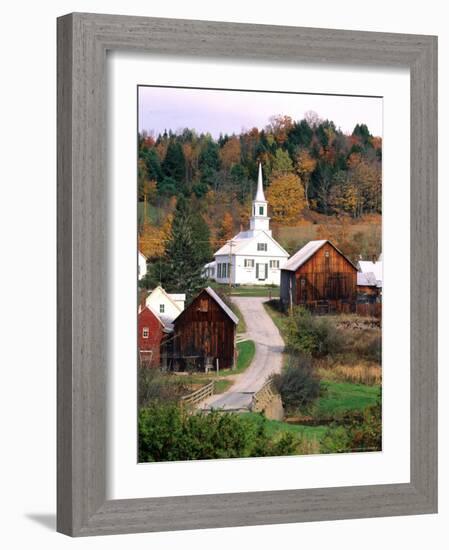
(226, 230)
(305, 165)
(286, 199)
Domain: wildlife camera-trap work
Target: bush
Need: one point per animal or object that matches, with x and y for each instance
(297, 384)
(312, 335)
(154, 386)
(356, 432)
(167, 432)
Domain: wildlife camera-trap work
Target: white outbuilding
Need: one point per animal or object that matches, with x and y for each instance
(166, 306)
(252, 257)
(142, 265)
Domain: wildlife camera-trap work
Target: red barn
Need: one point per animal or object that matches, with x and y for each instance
(151, 332)
(319, 277)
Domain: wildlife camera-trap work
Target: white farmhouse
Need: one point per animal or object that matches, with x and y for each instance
(252, 257)
(166, 306)
(142, 266)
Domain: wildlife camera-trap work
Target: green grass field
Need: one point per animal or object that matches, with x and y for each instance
(246, 290)
(275, 427)
(341, 397)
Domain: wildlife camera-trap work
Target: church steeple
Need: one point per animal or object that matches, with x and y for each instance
(260, 195)
(259, 220)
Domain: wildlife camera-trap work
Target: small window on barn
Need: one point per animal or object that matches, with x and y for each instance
(161, 308)
(326, 254)
(204, 305)
(145, 332)
(303, 281)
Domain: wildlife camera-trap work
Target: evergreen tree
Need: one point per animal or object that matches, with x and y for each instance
(174, 162)
(182, 264)
(201, 237)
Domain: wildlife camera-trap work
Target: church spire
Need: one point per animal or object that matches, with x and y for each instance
(260, 197)
(259, 220)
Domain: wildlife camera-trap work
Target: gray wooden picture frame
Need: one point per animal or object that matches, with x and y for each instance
(83, 40)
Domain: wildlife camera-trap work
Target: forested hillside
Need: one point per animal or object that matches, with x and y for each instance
(319, 183)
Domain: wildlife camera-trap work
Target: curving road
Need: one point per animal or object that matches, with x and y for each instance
(267, 359)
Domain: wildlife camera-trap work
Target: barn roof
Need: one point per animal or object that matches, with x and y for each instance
(223, 306)
(306, 252)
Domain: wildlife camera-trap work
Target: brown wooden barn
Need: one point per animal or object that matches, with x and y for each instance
(319, 277)
(204, 332)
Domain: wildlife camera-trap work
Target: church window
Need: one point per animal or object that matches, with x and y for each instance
(262, 247)
(260, 210)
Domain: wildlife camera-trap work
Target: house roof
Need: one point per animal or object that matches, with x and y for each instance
(151, 310)
(241, 240)
(178, 297)
(366, 279)
(372, 267)
(306, 252)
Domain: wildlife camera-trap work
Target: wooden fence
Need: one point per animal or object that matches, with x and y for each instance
(263, 397)
(193, 398)
(369, 309)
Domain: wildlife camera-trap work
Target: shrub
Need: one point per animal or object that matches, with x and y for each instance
(297, 384)
(356, 431)
(312, 335)
(167, 432)
(154, 386)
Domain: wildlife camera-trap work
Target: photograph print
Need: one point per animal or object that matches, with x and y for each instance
(259, 311)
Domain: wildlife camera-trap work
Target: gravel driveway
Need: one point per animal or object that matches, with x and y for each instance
(267, 359)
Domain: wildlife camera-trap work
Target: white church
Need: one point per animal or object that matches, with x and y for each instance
(252, 257)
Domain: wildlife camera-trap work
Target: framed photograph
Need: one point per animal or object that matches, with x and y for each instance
(247, 274)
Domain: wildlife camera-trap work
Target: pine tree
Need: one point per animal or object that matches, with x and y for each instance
(180, 270)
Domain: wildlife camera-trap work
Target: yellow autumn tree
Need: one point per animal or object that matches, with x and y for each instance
(286, 198)
(152, 239)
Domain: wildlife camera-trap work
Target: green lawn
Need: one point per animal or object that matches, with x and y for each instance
(278, 318)
(246, 290)
(241, 327)
(341, 397)
(275, 427)
(246, 351)
(222, 385)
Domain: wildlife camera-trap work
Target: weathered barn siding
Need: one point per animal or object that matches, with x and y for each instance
(326, 281)
(204, 330)
(150, 336)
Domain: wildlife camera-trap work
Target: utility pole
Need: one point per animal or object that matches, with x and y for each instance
(230, 265)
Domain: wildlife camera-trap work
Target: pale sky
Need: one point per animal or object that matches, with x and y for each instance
(228, 112)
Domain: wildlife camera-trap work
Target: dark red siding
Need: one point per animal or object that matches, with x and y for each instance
(150, 346)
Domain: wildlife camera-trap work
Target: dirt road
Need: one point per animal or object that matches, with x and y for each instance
(267, 359)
